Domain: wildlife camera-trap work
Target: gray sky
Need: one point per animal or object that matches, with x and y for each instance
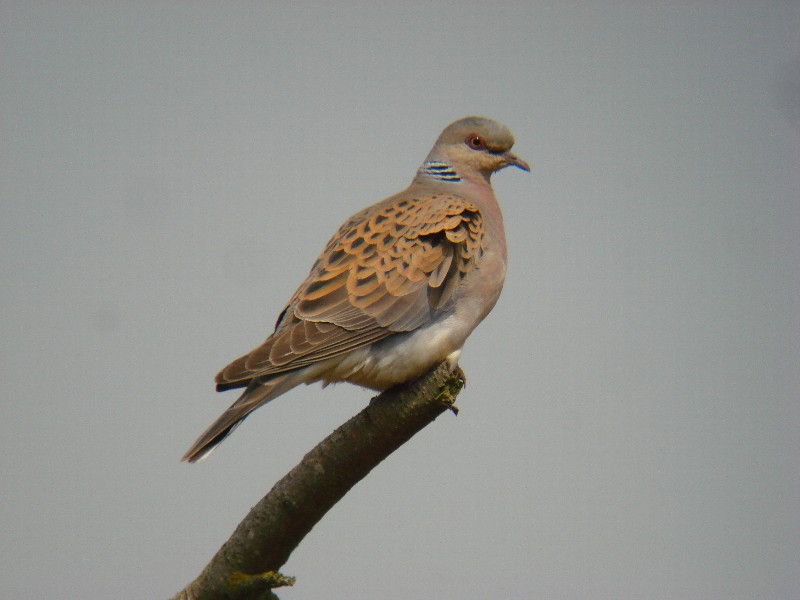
(631, 425)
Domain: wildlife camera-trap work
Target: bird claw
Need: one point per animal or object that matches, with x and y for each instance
(459, 372)
(452, 386)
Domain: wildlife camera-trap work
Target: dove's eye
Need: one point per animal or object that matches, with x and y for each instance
(475, 142)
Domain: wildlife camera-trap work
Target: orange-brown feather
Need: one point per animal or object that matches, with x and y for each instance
(388, 269)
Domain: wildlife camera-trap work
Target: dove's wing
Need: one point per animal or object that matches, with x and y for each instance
(391, 268)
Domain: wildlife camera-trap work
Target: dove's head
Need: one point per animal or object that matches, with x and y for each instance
(476, 144)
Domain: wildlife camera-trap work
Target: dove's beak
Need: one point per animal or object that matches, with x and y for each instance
(516, 161)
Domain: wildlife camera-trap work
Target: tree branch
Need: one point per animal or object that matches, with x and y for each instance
(246, 567)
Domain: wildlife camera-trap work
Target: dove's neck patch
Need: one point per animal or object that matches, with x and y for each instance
(439, 170)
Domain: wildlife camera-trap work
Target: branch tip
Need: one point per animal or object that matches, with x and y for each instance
(244, 582)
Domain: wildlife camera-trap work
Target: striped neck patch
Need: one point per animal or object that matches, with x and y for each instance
(439, 170)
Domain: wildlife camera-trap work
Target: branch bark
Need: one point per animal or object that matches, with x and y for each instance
(246, 566)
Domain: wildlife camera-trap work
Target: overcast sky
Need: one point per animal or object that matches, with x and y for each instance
(631, 424)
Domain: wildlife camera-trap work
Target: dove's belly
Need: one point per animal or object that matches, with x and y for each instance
(399, 359)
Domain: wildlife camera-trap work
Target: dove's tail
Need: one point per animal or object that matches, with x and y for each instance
(256, 394)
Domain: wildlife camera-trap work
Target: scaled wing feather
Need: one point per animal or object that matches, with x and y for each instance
(391, 268)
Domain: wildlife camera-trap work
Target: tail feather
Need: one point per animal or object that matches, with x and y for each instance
(255, 395)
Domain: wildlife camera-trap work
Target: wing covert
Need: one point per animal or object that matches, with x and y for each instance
(388, 269)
